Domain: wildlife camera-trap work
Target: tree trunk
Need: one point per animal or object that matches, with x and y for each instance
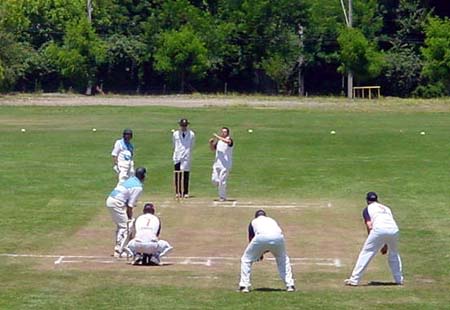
(350, 85)
(301, 81)
(89, 88)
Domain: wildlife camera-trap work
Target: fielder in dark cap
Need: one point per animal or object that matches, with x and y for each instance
(183, 141)
(383, 236)
(265, 235)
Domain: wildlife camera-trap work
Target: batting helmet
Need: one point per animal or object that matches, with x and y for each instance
(372, 196)
(149, 208)
(260, 212)
(141, 173)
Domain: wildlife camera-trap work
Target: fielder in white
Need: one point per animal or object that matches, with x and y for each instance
(223, 146)
(265, 236)
(183, 141)
(146, 247)
(122, 156)
(120, 204)
(383, 236)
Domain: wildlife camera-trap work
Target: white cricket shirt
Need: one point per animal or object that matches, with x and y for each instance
(147, 227)
(380, 216)
(224, 155)
(182, 147)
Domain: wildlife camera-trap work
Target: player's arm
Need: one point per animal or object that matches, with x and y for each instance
(131, 203)
(227, 140)
(251, 232)
(159, 229)
(367, 220)
(115, 152)
(192, 140)
(212, 144)
(129, 212)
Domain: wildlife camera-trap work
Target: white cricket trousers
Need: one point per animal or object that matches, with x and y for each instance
(219, 178)
(126, 170)
(154, 247)
(375, 241)
(256, 248)
(118, 212)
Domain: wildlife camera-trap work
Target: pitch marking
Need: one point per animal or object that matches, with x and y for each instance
(182, 260)
(59, 260)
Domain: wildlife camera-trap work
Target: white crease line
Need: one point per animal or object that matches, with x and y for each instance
(337, 263)
(182, 260)
(90, 261)
(59, 260)
(250, 206)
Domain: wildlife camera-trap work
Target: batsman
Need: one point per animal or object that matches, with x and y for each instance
(120, 204)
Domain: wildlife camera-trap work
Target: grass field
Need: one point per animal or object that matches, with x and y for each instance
(56, 176)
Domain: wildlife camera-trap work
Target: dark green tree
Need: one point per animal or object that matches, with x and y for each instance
(436, 54)
(80, 54)
(182, 55)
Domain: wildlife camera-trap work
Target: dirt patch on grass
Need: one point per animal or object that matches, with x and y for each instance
(196, 101)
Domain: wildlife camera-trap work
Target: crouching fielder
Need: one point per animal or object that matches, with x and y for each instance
(145, 233)
(265, 236)
(383, 236)
(223, 146)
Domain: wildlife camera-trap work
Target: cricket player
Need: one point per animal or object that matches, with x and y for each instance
(120, 204)
(122, 156)
(183, 141)
(265, 235)
(383, 236)
(223, 146)
(146, 242)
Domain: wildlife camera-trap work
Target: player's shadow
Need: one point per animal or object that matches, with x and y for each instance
(269, 289)
(381, 283)
(154, 265)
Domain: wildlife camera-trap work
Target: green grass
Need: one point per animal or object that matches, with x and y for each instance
(56, 176)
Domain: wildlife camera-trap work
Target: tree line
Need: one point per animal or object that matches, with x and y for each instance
(177, 46)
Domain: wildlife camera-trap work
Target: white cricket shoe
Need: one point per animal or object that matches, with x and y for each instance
(244, 289)
(350, 282)
(155, 260)
(128, 252)
(137, 259)
(290, 288)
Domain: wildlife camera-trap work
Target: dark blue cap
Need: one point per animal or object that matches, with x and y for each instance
(372, 196)
(149, 208)
(260, 212)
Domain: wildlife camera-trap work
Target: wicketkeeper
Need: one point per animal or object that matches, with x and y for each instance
(145, 246)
